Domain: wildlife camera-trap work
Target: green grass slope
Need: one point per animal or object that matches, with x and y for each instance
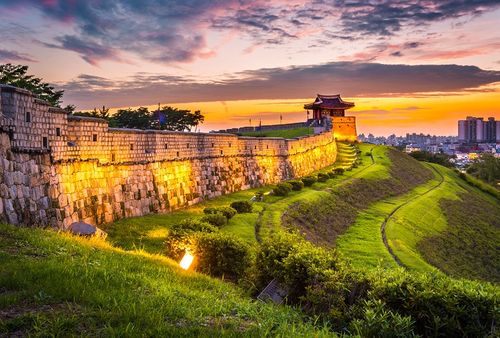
(323, 221)
(57, 285)
(442, 225)
(285, 133)
(470, 245)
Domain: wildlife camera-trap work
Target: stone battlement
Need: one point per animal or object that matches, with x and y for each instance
(60, 168)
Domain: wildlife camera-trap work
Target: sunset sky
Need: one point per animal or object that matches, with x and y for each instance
(409, 66)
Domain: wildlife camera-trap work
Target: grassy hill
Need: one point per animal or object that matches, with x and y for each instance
(54, 284)
(384, 211)
(285, 133)
(347, 212)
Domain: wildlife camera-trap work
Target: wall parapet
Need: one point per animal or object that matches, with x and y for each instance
(85, 170)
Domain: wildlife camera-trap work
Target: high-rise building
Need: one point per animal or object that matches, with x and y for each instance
(476, 130)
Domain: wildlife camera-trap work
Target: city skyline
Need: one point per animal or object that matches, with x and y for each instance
(399, 61)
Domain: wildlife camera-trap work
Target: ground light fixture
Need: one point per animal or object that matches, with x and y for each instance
(186, 261)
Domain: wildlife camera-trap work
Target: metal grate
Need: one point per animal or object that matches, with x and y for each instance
(273, 292)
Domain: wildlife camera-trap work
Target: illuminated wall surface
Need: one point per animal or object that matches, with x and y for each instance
(58, 169)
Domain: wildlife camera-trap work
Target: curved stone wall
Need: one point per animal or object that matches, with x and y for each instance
(57, 169)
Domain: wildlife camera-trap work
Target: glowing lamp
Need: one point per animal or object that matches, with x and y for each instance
(186, 261)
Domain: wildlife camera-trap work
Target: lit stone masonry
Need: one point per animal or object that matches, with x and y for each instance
(57, 169)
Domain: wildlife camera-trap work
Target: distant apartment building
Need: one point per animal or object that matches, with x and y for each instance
(477, 130)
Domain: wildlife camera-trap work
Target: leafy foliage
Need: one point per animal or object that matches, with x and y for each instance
(380, 303)
(282, 189)
(486, 168)
(242, 206)
(17, 75)
(221, 255)
(228, 212)
(217, 219)
(167, 118)
(323, 177)
(438, 158)
(309, 180)
(296, 185)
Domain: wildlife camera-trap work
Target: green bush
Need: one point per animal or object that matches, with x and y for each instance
(331, 174)
(296, 185)
(380, 322)
(339, 171)
(377, 302)
(322, 177)
(242, 206)
(282, 189)
(228, 212)
(368, 153)
(221, 255)
(179, 236)
(219, 220)
(354, 165)
(309, 180)
(192, 225)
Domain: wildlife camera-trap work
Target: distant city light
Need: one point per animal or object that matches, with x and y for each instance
(186, 261)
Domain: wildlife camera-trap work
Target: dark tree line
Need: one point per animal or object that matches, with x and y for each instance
(165, 118)
(438, 158)
(486, 168)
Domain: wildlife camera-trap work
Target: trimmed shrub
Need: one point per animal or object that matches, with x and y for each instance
(309, 180)
(179, 236)
(339, 171)
(282, 189)
(242, 206)
(218, 219)
(192, 225)
(228, 212)
(296, 185)
(322, 177)
(221, 255)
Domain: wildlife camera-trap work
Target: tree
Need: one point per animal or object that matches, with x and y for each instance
(169, 118)
(16, 75)
(128, 118)
(486, 168)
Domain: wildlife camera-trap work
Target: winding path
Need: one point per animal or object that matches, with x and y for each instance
(384, 223)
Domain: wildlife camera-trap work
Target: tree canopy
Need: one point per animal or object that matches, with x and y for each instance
(17, 75)
(166, 118)
(486, 168)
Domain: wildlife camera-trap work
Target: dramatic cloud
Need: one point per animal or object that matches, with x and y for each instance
(348, 78)
(12, 56)
(176, 30)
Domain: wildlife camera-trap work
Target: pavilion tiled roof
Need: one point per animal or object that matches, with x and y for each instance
(329, 102)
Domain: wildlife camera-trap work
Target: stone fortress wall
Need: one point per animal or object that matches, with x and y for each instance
(57, 168)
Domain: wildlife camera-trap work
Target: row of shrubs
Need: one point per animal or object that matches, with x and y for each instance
(376, 303)
(284, 188)
(217, 254)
